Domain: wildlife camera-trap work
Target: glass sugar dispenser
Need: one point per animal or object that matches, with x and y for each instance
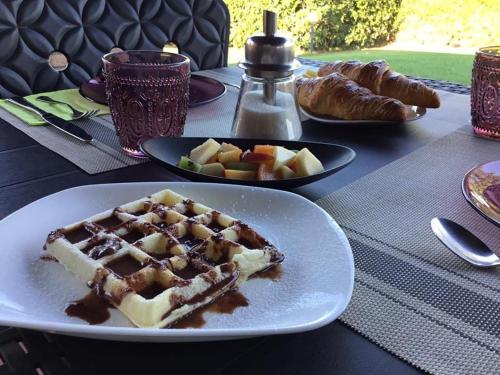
(267, 108)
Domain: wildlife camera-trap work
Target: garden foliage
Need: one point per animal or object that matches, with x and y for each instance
(349, 24)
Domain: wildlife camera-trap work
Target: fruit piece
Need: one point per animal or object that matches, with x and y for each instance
(292, 164)
(213, 159)
(282, 157)
(264, 149)
(228, 156)
(241, 166)
(285, 172)
(240, 175)
(228, 147)
(204, 151)
(186, 163)
(213, 169)
(255, 157)
(265, 172)
(307, 164)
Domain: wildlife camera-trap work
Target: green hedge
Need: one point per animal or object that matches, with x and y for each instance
(349, 24)
(341, 23)
(455, 23)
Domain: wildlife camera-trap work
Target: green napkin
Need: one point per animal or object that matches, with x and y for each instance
(71, 96)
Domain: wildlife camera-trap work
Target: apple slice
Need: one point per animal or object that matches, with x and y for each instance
(282, 157)
(240, 175)
(255, 157)
(306, 164)
(204, 151)
(284, 172)
(228, 147)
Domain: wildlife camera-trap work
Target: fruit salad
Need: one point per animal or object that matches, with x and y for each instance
(263, 163)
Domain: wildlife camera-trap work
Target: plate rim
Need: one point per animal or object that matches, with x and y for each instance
(201, 77)
(294, 182)
(196, 76)
(421, 111)
(143, 334)
(469, 198)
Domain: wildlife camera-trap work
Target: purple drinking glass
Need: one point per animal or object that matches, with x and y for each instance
(148, 94)
(485, 93)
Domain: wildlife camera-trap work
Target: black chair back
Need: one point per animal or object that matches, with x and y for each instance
(49, 45)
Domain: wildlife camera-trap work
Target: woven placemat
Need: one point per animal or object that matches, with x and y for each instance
(104, 153)
(412, 296)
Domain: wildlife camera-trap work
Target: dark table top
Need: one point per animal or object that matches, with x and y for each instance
(30, 171)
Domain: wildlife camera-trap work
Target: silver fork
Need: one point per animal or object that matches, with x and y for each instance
(76, 113)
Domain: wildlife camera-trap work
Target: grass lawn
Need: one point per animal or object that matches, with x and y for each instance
(442, 66)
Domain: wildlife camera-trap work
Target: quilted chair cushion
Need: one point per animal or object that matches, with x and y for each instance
(84, 30)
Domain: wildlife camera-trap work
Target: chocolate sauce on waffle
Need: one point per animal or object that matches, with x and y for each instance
(124, 266)
(77, 234)
(91, 308)
(215, 227)
(132, 236)
(49, 258)
(189, 212)
(189, 241)
(152, 290)
(188, 272)
(210, 291)
(54, 236)
(97, 248)
(109, 222)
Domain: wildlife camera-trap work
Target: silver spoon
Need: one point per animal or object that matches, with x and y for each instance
(463, 243)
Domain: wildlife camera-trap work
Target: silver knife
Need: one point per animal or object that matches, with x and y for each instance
(53, 120)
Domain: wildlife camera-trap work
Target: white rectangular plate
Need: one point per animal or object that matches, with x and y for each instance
(315, 287)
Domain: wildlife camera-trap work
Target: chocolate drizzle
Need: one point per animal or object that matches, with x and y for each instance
(109, 222)
(133, 235)
(124, 266)
(54, 235)
(152, 290)
(97, 248)
(77, 234)
(188, 208)
(49, 258)
(213, 290)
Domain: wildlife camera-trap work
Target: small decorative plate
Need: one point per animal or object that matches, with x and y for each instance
(481, 188)
(415, 113)
(202, 90)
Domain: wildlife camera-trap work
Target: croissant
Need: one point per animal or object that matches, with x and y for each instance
(335, 95)
(378, 77)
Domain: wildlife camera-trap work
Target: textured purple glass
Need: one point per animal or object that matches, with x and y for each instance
(148, 94)
(485, 93)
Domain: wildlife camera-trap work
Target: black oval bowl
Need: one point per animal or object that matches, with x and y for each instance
(168, 151)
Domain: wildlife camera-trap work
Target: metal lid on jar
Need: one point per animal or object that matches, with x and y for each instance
(269, 55)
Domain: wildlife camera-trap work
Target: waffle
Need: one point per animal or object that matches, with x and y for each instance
(159, 258)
